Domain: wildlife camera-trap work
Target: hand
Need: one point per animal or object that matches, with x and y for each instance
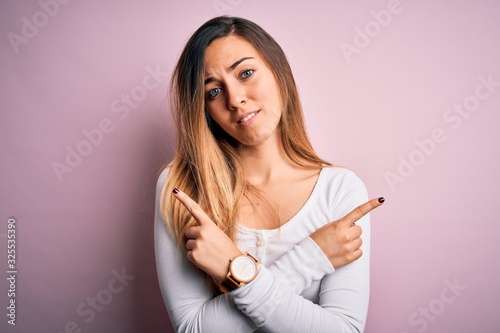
(209, 248)
(340, 240)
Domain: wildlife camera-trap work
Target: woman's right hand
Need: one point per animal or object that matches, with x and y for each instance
(340, 240)
(208, 247)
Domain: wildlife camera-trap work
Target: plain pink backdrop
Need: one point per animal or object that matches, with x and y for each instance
(376, 78)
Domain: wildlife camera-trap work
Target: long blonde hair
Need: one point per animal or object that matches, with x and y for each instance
(206, 164)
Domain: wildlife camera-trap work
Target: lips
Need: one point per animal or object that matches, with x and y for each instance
(247, 117)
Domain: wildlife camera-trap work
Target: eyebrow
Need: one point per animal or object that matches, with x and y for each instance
(230, 68)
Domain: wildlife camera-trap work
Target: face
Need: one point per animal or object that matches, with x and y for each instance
(241, 92)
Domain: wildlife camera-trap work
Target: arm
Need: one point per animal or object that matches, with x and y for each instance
(299, 267)
(190, 304)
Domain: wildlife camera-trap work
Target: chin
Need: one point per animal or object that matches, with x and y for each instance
(257, 140)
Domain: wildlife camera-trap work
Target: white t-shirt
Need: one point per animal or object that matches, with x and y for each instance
(296, 289)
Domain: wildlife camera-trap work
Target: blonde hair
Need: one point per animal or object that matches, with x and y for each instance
(206, 164)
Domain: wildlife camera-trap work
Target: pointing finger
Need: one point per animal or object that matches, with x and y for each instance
(362, 210)
(198, 214)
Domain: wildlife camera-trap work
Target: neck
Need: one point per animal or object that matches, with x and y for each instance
(266, 163)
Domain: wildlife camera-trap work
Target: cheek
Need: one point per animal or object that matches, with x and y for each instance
(214, 112)
(270, 92)
(218, 116)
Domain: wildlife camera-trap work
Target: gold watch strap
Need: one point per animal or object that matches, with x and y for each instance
(230, 283)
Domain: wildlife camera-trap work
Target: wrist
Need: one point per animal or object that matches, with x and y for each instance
(225, 263)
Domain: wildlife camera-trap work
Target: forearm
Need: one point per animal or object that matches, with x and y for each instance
(299, 267)
(190, 304)
(342, 307)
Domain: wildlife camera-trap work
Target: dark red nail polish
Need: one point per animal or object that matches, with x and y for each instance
(381, 199)
(175, 190)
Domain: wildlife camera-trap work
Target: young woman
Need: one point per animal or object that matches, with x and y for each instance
(254, 232)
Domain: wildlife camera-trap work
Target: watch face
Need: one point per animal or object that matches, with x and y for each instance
(243, 268)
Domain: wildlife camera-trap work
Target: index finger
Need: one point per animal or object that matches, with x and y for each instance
(192, 206)
(362, 210)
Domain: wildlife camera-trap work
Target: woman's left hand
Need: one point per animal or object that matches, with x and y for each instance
(209, 248)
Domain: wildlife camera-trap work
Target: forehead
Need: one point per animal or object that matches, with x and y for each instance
(223, 52)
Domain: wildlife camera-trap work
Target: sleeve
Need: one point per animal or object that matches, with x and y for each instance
(270, 301)
(190, 304)
(299, 267)
(344, 294)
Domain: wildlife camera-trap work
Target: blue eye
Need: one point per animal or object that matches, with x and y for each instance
(213, 93)
(247, 73)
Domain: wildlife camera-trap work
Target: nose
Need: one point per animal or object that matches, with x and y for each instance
(236, 96)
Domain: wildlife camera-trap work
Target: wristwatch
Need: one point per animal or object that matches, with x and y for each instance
(242, 269)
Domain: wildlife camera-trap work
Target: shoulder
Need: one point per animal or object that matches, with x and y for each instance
(342, 186)
(162, 178)
(340, 178)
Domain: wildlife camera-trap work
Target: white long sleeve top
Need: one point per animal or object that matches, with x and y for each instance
(296, 289)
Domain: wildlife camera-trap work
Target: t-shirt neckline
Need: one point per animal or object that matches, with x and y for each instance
(286, 225)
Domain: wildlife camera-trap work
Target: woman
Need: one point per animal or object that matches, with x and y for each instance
(244, 235)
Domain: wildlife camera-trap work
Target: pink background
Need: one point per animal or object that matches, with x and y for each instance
(374, 111)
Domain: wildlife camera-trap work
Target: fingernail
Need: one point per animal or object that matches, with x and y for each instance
(381, 199)
(176, 190)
